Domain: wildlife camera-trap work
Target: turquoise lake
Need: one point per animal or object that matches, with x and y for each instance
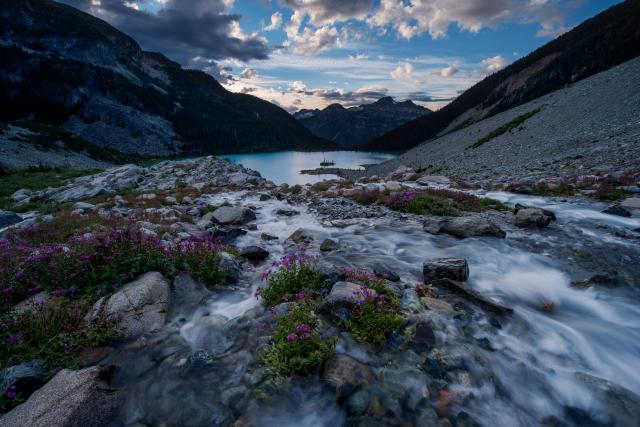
(285, 166)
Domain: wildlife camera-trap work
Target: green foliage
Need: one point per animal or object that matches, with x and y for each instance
(505, 128)
(429, 205)
(201, 261)
(35, 179)
(543, 189)
(297, 347)
(296, 275)
(372, 321)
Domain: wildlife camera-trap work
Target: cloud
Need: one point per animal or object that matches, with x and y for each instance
(362, 95)
(494, 63)
(276, 22)
(424, 97)
(249, 73)
(323, 12)
(403, 72)
(448, 71)
(248, 89)
(411, 18)
(181, 29)
(359, 57)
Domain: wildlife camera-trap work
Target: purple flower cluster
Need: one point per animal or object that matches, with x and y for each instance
(291, 261)
(12, 392)
(366, 295)
(303, 332)
(359, 275)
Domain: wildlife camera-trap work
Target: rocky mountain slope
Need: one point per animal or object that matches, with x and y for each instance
(348, 127)
(597, 44)
(592, 126)
(65, 67)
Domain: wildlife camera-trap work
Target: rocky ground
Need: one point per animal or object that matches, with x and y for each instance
(189, 354)
(590, 127)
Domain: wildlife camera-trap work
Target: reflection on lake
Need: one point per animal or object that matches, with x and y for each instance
(285, 166)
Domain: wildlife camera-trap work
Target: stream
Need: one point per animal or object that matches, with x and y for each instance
(566, 356)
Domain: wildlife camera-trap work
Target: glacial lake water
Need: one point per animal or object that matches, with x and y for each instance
(285, 166)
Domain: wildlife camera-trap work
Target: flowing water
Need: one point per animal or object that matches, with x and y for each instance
(285, 166)
(535, 367)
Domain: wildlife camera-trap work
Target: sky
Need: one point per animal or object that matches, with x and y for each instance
(312, 53)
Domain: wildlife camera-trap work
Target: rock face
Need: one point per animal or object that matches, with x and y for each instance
(228, 215)
(446, 268)
(462, 227)
(345, 373)
(139, 307)
(532, 217)
(71, 399)
(8, 218)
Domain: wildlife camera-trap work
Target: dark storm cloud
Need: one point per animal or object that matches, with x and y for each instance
(181, 29)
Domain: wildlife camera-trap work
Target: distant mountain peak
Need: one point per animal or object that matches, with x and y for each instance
(384, 101)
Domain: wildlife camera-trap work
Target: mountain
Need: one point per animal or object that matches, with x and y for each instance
(597, 44)
(64, 67)
(348, 127)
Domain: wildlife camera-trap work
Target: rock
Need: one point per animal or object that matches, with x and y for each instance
(433, 180)
(547, 212)
(36, 302)
(186, 295)
(83, 206)
(436, 304)
(71, 399)
(264, 197)
(330, 272)
(254, 253)
(471, 295)
(139, 307)
(228, 215)
(301, 235)
(200, 359)
(523, 189)
(462, 227)
(8, 218)
(340, 300)
(631, 203)
(532, 217)
(268, 237)
(171, 200)
(424, 339)
(229, 264)
(287, 212)
(26, 377)
(21, 195)
(346, 374)
(328, 245)
(622, 405)
(617, 210)
(384, 271)
(426, 291)
(227, 234)
(392, 186)
(446, 268)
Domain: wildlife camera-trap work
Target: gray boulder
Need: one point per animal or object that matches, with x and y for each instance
(433, 179)
(8, 218)
(532, 217)
(631, 203)
(330, 272)
(139, 307)
(446, 268)
(71, 399)
(385, 272)
(254, 253)
(328, 245)
(229, 264)
(227, 215)
(462, 227)
(339, 302)
(469, 294)
(617, 210)
(21, 195)
(345, 373)
(301, 235)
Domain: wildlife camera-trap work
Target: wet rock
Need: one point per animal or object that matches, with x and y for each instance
(424, 339)
(532, 217)
(227, 234)
(264, 197)
(523, 189)
(426, 291)
(186, 295)
(330, 272)
(301, 235)
(436, 304)
(631, 203)
(433, 180)
(254, 253)
(71, 399)
(8, 218)
(268, 237)
(228, 215)
(328, 245)
(622, 405)
(22, 195)
(446, 268)
(385, 272)
(341, 299)
(139, 307)
(472, 296)
(26, 377)
(200, 359)
(547, 212)
(229, 264)
(346, 373)
(287, 212)
(462, 227)
(617, 210)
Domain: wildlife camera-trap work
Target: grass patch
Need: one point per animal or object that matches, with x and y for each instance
(505, 128)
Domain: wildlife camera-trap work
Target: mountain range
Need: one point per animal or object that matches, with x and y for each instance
(597, 44)
(349, 127)
(63, 67)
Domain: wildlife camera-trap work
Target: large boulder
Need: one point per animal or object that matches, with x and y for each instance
(346, 374)
(617, 210)
(25, 377)
(254, 253)
(532, 217)
(299, 236)
(227, 215)
(462, 227)
(71, 399)
(8, 218)
(446, 268)
(631, 203)
(139, 307)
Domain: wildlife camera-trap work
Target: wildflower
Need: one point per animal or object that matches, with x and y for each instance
(292, 337)
(16, 338)
(12, 392)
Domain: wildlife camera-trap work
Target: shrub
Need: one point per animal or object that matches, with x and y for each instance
(295, 274)
(297, 347)
(199, 258)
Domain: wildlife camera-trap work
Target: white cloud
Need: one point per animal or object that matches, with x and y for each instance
(276, 22)
(359, 57)
(403, 72)
(248, 73)
(494, 63)
(448, 71)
